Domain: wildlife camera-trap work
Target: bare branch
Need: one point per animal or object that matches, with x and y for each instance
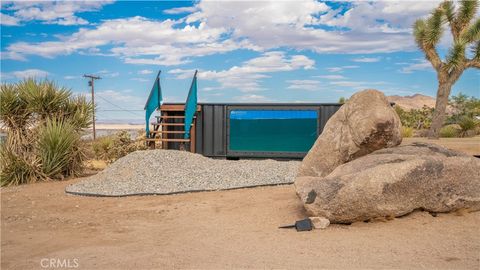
(420, 32)
(432, 56)
(473, 63)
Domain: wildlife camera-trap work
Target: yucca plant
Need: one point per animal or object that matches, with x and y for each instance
(78, 110)
(18, 169)
(58, 148)
(14, 116)
(465, 30)
(466, 124)
(44, 123)
(45, 99)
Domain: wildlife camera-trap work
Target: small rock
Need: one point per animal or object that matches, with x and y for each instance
(319, 222)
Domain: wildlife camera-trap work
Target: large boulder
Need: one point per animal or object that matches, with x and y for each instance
(393, 182)
(365, 123)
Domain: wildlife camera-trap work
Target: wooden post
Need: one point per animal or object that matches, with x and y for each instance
(91, 83)
(192, 136)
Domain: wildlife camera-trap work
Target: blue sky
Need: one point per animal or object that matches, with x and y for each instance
(281, 51)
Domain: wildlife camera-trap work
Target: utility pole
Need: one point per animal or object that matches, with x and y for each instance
(91, 84)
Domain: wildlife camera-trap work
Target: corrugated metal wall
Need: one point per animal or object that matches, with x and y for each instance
(326, 111)
(211, 124)
(211, 130)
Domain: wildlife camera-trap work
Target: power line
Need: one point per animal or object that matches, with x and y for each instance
(121, 108)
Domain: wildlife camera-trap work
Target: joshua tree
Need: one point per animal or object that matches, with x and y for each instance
(465, 30)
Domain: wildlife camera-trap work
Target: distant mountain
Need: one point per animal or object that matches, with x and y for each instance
(416, 101)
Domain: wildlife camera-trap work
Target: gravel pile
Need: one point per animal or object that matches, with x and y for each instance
(171, 171)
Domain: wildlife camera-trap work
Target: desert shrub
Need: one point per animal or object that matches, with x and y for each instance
(111, 148)
(43, 124)
(467, 125)
(415, 118)
(16, 169)
(464, 112)
(449, 131)
(59, 149)
(463, 106)
(102, 147)
(407, 132)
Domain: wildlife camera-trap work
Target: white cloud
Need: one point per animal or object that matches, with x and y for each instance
(119, 100)
(357, 85)
(27, 73)
(145, 72)
(108, 74)
(214, 27)
(366, 59)
(138, 41)
(247, 76)
(421, 64)
(49, 12)
(139, 79)
(294, 24)
(387, 17)
(340, 69)
(180, 10)
(331, 77)
(8, 20)
(71, 77)
(252, 98)
(304, 84)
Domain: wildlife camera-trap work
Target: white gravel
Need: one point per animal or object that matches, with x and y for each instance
(172, 171)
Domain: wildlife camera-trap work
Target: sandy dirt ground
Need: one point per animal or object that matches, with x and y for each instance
(218, 230)
(469, 146)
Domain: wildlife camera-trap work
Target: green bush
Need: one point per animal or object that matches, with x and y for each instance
(111, 148)
(407, 132)
(449, 131)
(463, 106)
(415, 118)
(58, 148)
(467, 125)
(43, 124)
(102, 147)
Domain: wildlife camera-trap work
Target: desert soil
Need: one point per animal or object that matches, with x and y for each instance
(218, 230)
(470, 146)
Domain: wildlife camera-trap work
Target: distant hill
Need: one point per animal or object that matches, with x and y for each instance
(416, 101)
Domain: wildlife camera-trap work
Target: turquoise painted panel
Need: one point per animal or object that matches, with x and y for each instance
(153, 102)
(190, 106)
(272, 130)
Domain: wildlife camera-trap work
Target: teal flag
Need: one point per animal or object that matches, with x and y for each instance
(153, 102)
(191, 106)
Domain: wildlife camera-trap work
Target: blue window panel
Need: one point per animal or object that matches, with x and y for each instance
(272, 130)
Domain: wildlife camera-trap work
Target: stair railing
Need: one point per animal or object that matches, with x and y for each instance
(153, 102)
(191, 106)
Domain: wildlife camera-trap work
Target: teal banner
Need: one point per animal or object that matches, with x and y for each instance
(153, 103)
